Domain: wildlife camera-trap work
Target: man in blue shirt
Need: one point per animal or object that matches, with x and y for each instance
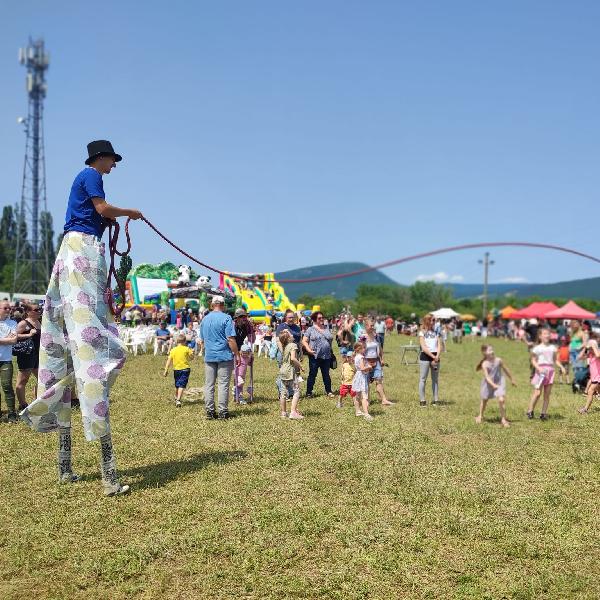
(217, 338)
(163, 336)
(90, 355)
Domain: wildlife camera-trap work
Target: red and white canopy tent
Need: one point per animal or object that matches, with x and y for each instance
(537, 310)
(571, 310)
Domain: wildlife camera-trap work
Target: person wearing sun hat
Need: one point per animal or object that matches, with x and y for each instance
(79, 345)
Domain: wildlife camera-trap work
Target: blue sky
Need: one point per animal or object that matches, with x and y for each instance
(273, 135)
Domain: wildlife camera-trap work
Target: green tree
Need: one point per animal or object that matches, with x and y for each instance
(47, 238)
(125, 265)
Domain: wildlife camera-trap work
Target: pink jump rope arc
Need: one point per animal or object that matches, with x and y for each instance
(113, 237)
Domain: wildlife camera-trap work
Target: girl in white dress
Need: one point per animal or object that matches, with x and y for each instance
(360, 383)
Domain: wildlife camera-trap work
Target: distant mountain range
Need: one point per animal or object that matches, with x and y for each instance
(579, 288)
(340, 288)
(346, 288)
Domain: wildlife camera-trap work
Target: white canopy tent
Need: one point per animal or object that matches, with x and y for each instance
(444, 313)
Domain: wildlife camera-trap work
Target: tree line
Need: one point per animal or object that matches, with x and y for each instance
(423, 297)
(13, 226)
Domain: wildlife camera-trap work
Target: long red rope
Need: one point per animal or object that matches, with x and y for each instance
(113, 237)
(114, 234)
(379, 266)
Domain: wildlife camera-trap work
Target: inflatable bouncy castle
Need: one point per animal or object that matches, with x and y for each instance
(260, 294)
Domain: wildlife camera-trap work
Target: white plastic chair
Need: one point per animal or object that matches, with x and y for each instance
(137, 342)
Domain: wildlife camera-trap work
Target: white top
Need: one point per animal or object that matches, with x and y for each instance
(431, 340)
(7, 327)
(545, 354)
(379, 327)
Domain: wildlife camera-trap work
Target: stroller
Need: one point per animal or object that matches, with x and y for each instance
(581, 376)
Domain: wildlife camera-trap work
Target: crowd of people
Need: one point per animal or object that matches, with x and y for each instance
(230, 344)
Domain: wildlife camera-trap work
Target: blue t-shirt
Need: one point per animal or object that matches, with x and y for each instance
(81, 213)
(7, 327)
(215, 328)
(293, 329)
(160, 331)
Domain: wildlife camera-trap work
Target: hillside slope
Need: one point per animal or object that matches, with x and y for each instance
(579, 288)
(340, 288)
(346, 288)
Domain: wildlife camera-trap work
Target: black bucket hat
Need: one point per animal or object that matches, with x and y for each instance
(100, 148)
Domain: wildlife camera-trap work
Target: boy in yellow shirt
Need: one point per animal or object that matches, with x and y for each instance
(180, 357)
(348, 371)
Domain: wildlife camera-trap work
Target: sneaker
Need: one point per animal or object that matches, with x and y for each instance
(210, 415)
(69, 478)
(284, 415)
(12, 418)
(530, 415)
(423, 403)
(296, 416)
(582, 411)
(243, 402)
(224, 415)
(309, 395)
(178, 403)
(115, 489)
(543, 417)
(359, 414)
(369, 418)
(435, 403)
(338, 404)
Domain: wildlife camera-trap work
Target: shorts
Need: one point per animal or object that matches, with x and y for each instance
(346, 389)
(546, 377)
(377, 372)
(291, 386)
(181, 378)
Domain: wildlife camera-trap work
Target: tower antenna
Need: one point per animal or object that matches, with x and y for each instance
(31, 271)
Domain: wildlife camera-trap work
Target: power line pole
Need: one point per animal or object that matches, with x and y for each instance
(486, 262)
(31, 257)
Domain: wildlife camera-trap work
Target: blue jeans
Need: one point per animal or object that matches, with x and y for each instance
(314, 364)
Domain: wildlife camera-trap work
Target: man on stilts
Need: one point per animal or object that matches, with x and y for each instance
(80, 345)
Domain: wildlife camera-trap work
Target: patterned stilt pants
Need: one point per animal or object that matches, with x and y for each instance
(77, 330)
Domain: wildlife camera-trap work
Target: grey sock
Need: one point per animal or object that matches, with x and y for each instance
(64, 452)
(108, 466)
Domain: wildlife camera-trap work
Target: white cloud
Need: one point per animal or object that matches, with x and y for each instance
(513, 280)
(440, 277)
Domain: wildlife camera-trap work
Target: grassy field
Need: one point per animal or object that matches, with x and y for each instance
(421, 503)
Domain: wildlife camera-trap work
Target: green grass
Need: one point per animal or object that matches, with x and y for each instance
(421, 503)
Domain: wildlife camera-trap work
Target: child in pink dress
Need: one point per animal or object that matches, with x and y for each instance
(544, 357)
(593, 353)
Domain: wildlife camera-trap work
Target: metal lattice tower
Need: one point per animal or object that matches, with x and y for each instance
(32, 253)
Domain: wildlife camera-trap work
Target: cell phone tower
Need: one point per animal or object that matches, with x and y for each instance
(31, 257)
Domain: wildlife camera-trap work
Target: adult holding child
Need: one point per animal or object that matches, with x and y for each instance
(429, 358)
(78, 325)
(374, 355)
(317, 344)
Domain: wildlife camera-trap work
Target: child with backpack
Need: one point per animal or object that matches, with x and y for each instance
(289, 376)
